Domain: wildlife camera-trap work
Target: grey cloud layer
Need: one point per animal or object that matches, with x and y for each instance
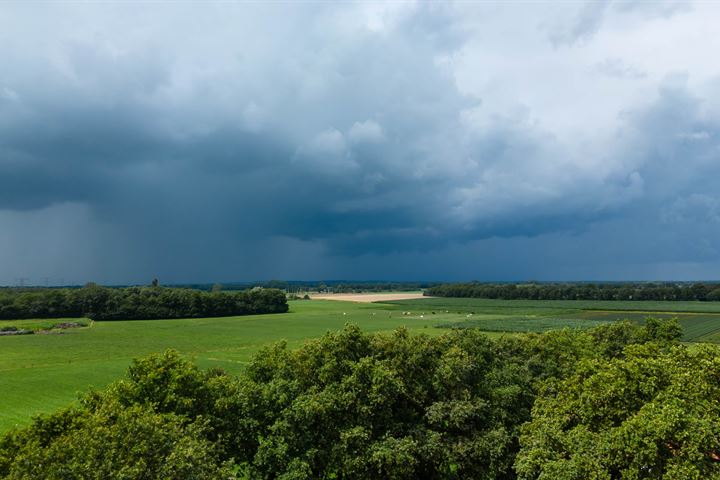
(185, 141)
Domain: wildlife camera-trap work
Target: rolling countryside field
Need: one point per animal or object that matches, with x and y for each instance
(42, 372)
(700, 320)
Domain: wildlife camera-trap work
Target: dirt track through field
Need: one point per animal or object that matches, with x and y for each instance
(366, 297)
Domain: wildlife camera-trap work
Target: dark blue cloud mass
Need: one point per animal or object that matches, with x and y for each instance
(223, 141)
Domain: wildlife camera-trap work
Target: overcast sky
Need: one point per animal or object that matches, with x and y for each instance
(387, 140)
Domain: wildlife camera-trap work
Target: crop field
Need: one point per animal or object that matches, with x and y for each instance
(534, 306)
(530, 323)
(700, 320)
(47, 370)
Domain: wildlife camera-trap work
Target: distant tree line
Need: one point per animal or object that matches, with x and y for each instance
(580, 291)
(329, 286)
(344, 287)
(376, 287)
(619, 401)
(102, 303)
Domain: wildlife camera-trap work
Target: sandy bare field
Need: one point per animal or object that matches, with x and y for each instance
(366, 297)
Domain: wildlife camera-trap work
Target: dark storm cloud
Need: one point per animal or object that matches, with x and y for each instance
(247, 141)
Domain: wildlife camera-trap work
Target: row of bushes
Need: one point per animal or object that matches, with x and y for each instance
(677, 292)
(620, 401)
(101, 303)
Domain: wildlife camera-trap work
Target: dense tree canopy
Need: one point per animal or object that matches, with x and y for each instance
(620, 401)
(101, 303)
(651, 414)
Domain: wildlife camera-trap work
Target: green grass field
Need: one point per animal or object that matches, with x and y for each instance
(700, 320)
(42, 372)
(534, 306)
(45, 371)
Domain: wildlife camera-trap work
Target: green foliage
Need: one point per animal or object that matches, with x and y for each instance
(110, 441)
(653, 413)
(349, 405)
(622, 401)
(356, 406)
(611, 339)
(714, 295)
(578, 291)
(100, 303)
(162, 422)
